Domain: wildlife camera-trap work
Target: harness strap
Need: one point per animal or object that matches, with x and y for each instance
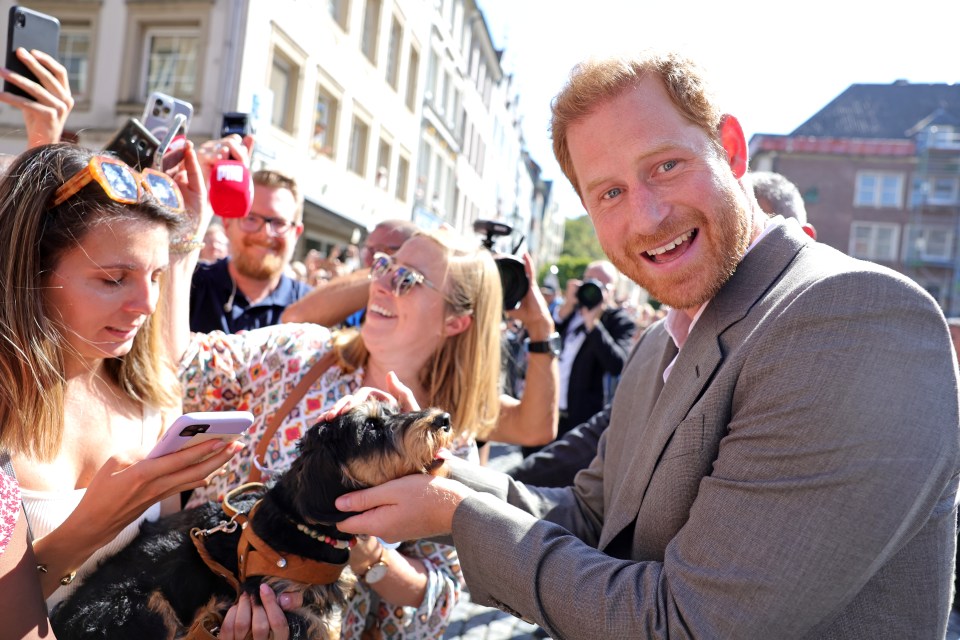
(256, 558)
(198, 536)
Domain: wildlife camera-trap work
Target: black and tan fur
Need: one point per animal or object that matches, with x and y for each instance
(158, 586)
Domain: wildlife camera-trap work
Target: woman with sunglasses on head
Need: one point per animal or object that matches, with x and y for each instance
(89, 383)
(433, 321)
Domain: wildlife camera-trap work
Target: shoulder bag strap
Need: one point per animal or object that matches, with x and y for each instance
(281, 414)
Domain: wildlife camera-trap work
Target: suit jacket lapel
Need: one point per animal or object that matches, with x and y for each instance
(696, 363)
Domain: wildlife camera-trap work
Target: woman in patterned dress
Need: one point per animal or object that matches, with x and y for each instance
(433, 321)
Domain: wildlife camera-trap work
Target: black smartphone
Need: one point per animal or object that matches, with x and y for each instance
(236, 122)
(31, 30)
(134, 145)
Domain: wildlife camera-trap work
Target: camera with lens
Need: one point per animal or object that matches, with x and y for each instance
(513, 275)
(590, 294)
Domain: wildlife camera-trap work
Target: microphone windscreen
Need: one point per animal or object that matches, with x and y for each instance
(231, 189)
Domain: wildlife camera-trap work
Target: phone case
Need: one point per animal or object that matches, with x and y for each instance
(193, 428)
(160, 110)
(134, 145)
(31, 30)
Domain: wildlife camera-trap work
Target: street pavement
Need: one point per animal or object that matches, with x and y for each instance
(472, 621)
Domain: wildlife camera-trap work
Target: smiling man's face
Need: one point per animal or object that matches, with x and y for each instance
(666, 205)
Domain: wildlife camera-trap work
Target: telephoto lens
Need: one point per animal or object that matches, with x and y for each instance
(590, 294)
(513, 279)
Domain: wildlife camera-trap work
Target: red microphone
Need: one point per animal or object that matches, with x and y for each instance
(231, 189)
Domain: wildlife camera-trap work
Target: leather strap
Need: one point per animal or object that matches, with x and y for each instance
(256, 558)
(281, 414)
(196, 535)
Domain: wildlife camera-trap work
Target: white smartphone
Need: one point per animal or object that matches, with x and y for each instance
(159, 112)
(193, 428)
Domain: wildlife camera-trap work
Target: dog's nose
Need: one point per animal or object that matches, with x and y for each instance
(442, 422)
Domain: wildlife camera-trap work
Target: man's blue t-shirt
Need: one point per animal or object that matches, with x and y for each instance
(211, 309)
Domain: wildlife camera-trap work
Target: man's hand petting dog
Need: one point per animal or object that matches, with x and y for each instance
(387, 508)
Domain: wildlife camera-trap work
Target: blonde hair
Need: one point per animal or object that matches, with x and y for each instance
(595, 82)
(463, 376)
(35, 237)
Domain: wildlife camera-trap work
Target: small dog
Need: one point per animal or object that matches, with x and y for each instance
(159, 587)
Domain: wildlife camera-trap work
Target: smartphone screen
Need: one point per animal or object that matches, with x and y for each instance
(31, 30)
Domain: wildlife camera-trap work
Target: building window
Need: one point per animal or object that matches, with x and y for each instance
(340, 12)
(928, 243)
(171, 59)
(383, 164)
(371, 29)
(75, 44)
(403, 176)
(284, 78)
(359, 137)
(874, 240)
(413, 72)
(393, 53)
(879, 190)
(325, 123)
(942, 190)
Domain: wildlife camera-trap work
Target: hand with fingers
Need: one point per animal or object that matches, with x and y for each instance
(266, 621)
(46, 115)
(396, 394)
(126, 485)
(119, 493)
(231, 147)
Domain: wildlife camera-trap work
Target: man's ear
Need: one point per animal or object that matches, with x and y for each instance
(735, 145)
(454, 325)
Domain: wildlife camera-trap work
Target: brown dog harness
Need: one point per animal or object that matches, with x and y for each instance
(254, 556)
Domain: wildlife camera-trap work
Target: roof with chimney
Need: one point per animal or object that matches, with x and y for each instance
(887, 111)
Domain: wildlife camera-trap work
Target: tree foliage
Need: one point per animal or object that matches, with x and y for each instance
(580, 248)
(580, 240)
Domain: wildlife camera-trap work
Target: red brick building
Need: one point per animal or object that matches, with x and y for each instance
(879, 170)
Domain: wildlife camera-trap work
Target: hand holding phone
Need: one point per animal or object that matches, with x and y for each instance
(193, 428)
(31, 30)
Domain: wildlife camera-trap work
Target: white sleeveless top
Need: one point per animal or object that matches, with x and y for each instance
(47, 510)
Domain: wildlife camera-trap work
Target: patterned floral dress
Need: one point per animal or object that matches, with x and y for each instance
(255, 371)
(9, 508)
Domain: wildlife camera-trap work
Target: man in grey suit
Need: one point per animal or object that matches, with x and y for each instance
(783, 449)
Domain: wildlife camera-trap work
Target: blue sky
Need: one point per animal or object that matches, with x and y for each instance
(773, 64)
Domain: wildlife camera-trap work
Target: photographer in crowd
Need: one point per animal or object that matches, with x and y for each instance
(596, 337)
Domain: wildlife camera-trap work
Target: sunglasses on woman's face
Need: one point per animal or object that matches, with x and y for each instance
(122, 184)
(404, 278)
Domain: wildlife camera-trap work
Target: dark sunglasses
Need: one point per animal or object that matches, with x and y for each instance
(122, 184)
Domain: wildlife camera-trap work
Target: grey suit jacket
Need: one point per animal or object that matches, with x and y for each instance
(795, 477)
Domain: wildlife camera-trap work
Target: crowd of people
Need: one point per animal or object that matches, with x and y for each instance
(772, 452)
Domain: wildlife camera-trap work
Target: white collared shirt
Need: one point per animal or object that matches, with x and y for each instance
(679, 324)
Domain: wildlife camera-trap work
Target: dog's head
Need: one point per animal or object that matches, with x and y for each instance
(366, 446)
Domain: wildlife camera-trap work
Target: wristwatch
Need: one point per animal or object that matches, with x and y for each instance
(552, 345)
(376, 571)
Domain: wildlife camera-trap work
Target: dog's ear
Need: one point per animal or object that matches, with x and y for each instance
(316, 476)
